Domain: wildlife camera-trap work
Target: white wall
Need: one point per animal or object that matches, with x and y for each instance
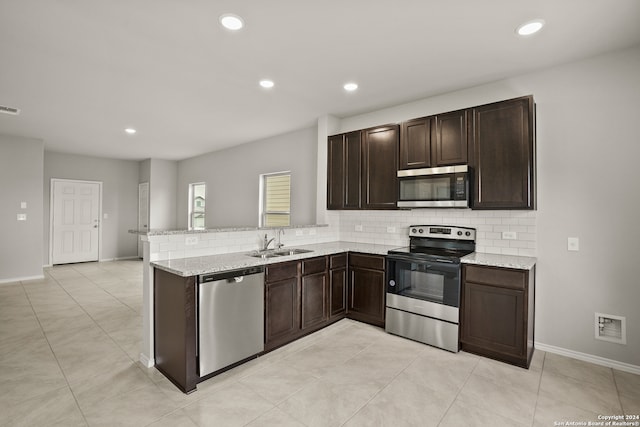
(20, 181)
(163, 176)
(119, 198)
(232, 177)
(588, 149)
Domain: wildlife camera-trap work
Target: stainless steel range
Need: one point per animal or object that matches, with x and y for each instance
(423, 284)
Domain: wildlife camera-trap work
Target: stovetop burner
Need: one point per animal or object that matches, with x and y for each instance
(447, 243)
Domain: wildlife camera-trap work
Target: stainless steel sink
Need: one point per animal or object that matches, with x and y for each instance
(272, 253)
(285, 252)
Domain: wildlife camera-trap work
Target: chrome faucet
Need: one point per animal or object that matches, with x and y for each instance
(279, 232)
(265, 243)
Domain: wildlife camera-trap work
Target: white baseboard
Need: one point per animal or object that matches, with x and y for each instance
(118, 259)
(597, 360)
(149, 363)
(20, 279)
(47, 265)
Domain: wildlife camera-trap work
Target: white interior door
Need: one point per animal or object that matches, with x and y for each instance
(143, 212)
(75, 221)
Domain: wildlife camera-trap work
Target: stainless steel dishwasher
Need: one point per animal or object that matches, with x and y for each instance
(230, 318)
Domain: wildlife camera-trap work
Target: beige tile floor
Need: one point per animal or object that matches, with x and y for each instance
(69, 348)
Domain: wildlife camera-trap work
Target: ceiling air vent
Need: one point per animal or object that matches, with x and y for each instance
(9, 110)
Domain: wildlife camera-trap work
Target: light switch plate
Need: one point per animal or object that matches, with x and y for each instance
(191, 240)
(312, 232)
(299, 232)
(359, 227)
(22, 217)
(23, 205)
(573, 244)
(105, 216)
(391, 229)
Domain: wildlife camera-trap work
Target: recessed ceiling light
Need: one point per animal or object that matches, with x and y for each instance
(231, 22)
(531, 27)
(350, 87)
(266, 83)
(130, 131)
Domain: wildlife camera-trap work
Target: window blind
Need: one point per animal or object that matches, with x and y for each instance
(277, 204)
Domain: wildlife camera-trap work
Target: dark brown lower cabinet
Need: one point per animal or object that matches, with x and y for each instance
(281, 308)
(337, 286)
(497, 313)
(314, 293)
(367, 293)
(175, 328)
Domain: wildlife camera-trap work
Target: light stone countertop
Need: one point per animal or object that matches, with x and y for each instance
(165, 232)
(495, 260)
(216, 263)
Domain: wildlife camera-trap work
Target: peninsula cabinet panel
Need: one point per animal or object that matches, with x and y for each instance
(451, 135)
(497, 315)
(503, 155)
(380, 167)
(174, 304)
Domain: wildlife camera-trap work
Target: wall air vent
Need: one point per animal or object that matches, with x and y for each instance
(9, 110)
(611, 328)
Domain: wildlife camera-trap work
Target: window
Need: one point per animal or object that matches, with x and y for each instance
(275, 204)
(197, 198)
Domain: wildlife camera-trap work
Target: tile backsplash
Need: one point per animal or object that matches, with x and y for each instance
(392, 227)
(378, 227)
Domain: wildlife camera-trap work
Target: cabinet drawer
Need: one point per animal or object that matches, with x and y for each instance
(338, 261)
(366, 261)
(314, 265)
(281, 271)
(496, 276)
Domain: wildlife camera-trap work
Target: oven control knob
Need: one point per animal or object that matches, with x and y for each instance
(459, 233)
(421, 231)
(392, 282)
(413, 230)
(468, 233)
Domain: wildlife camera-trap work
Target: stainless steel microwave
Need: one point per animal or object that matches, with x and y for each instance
(442, 187)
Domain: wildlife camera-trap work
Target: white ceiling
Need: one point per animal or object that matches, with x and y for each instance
(83, 70)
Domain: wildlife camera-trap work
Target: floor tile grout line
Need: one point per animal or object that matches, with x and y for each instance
(535, 408)
(54, 353)
(94, 320)
(106, 291)
(453, 401)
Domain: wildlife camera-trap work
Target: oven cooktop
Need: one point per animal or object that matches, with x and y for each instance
(430, 253)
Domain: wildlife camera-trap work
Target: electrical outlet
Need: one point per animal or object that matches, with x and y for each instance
(391, 229)
(359, 227)
(299, 232)
(312, 232)
(105, 216)
(509, 235)
(191, 240)
(22, 217)
(573, 244)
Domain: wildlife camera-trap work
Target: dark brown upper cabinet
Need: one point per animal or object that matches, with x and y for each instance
(380, 167)
(451, 135)
(502, 155)
(415, 143)
(344, 171)
(434, 141)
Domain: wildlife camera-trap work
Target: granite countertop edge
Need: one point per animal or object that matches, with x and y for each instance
(497, 260)
(218, 230)
(208, 264)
